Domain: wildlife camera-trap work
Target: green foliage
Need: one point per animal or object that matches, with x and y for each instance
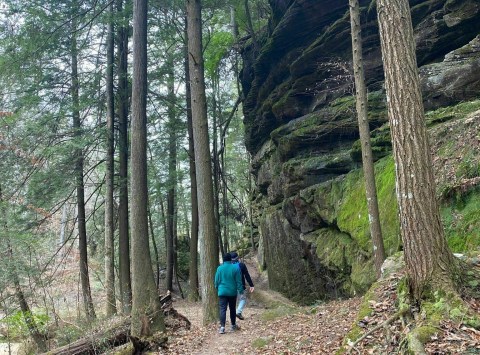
(218, 47)
(17, 327)
(183, 254)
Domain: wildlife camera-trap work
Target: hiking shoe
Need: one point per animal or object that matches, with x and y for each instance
(222, 330)
(239, 316)
(234, 328)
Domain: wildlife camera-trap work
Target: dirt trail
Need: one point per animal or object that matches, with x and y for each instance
(272, 325)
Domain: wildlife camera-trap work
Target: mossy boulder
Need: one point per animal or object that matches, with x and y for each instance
(292, 268)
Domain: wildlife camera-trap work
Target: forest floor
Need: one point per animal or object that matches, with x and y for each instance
(283, 330)
(274, 325)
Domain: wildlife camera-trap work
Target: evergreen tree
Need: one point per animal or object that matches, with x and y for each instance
(109, 223)
(203, 165)
(146, 309)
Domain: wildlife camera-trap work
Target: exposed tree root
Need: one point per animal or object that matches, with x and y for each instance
(374, 329)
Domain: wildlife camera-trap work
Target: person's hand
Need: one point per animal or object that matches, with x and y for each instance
(251, 289)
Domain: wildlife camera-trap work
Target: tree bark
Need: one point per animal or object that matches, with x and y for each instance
(430, 263)
(172, 173)
(250, 206)
(248, 15)
(216, 166)
(145, 298)
(207, 237)
(193, 266)
(109, 246)
(123, 225)
(77, 133)
(155, 250)
(364, 130)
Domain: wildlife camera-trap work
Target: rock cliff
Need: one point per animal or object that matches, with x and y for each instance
(302, 133)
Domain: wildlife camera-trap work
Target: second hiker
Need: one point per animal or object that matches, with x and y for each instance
(245, 276)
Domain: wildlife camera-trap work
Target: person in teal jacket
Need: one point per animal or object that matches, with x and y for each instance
(228, 282)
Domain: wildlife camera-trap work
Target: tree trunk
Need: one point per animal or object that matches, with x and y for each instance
(207, 237)
(32, 327)
(109, 246)
(172, 173)
(82, 230)
(155, 250)
(123, 226)
(364, 129)
(216, 166)
(193, 266)
(248, 14)
(430, 263)
(226, 244)
(163, 218)
(250, 206)
(145, 298)
(233, 22)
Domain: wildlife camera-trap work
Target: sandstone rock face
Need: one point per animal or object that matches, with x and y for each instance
(454, 79)
(301, 127)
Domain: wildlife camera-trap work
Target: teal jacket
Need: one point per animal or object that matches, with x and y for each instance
(228, 279)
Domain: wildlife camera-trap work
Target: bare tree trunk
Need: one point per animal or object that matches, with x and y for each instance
(250, 207)
(233, 22)
(109, 247)
(163, 218)
(123, 226)
(145, 300)
(216, 166)
(193, 266)
(248, 14)
(430, 263)
(226, 238)
(207, 223)
(155, 250)
(61, 239)
(77, 129)
(364, 129)
(172, 174)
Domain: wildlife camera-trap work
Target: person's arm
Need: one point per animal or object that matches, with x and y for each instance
(238, 280)
(246, 274)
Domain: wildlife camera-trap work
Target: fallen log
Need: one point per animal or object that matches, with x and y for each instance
(119, 334)
(97, 342)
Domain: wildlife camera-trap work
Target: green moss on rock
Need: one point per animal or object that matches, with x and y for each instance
(353, 214)
(461, 221)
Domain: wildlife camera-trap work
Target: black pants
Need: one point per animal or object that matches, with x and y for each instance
(231, 302)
